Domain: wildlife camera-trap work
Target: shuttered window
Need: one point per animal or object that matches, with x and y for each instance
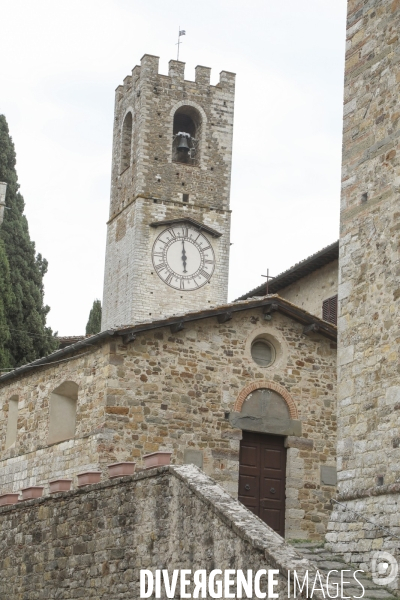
(263, 353)
(329, 310)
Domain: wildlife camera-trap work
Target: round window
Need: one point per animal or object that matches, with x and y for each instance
(263, 353)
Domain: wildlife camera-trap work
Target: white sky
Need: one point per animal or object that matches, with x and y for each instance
(61, 62)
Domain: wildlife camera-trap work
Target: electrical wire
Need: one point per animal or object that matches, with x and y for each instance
(30, 333)
(54, 362)
(388, 532)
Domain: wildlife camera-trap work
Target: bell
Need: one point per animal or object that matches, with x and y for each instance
(183, 145)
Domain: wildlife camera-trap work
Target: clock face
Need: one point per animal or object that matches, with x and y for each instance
(183, 257)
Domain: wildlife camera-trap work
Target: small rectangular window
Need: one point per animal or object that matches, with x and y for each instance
(62, 412)
(185, 197)
(12, 422)
(329, 309)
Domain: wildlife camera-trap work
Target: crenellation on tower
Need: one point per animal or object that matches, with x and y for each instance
(227, 80)
(154, 148)
(136, 73)
(202, 75)
(172, 147)
(149, 65)
(176, 70)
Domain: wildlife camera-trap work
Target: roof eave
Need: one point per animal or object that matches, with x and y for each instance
(324, 328)
(298, 271)
(197, 224)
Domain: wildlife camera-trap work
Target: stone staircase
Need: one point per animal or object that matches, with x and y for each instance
(327, 561)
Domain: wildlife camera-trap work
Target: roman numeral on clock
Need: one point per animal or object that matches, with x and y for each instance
(204, 273)
(182, 284)
(168, 279)
(161, 267)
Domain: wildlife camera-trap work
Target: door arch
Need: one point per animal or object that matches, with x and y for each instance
(266, 413)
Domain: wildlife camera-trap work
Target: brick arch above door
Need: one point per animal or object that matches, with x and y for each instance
(269, 385)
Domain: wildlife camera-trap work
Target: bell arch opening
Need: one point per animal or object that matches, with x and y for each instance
(186, 135)
(62, 416)
(126, 142)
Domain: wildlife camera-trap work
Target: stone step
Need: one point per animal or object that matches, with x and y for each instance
(326, 561)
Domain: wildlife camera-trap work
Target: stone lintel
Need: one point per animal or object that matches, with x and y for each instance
(299, 442)
(290, 427)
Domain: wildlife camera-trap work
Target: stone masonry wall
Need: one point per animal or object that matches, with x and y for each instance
(153, 99)
(30, 461)
(134, 290)
(354, 531)
(309, 292)
(175, 392)
(93, 542)
(369, 291)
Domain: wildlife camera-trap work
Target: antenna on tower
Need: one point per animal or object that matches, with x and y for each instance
(181, 32)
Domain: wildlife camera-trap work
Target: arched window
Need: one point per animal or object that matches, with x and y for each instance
(186, 135)
(63, 401)
(12, 421)
(126, 142)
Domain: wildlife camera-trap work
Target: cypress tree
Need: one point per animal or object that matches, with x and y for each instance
(6, 298)
(26, 315)
(94, 322)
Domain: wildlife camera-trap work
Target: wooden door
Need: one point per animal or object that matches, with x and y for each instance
(262, 477)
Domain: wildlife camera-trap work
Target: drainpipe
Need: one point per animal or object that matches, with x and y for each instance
(3, 187)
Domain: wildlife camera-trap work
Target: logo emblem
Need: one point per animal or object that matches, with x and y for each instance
(384, 568)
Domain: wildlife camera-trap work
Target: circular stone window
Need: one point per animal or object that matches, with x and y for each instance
(263, 353)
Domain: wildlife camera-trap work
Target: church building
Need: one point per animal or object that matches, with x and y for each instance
(244, 390)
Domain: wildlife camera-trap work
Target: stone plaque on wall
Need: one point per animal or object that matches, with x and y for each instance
(328, 475)
(193, 457)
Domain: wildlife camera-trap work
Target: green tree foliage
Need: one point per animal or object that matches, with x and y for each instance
(26, 314)
(6, 298)
(94, 323)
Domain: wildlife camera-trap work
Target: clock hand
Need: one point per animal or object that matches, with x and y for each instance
(184, 257)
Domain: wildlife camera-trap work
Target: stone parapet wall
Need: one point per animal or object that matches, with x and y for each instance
(93, 542)
(63, 460)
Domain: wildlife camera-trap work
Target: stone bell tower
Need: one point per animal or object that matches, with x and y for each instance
(369, 287)
(169, 224)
